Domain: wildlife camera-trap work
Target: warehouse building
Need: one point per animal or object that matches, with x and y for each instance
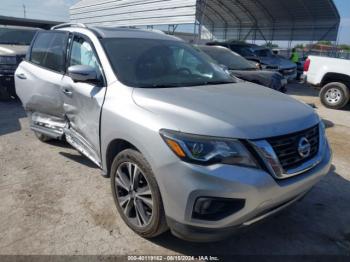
(269, 20)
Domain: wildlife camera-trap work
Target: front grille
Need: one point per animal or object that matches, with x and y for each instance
(7, 69)
(271, 67)
(286, 147)
(288, 71)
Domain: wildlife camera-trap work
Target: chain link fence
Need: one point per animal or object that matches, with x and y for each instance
(305, 53)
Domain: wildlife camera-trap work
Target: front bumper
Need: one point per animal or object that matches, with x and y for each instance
(303, 78)
(263, 195)
(284, 82)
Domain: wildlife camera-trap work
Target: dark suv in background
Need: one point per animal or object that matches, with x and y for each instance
(262, 55)
(244, 69)
(14, 42)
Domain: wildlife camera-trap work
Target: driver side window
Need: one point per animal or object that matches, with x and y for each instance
(82, 53)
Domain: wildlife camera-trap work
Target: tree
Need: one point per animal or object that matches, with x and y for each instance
(299, 46)
(329, 43)
(345, 47)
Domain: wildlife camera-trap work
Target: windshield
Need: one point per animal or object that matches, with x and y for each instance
(229, 59)
(242, 50)
(13, 36)
(151, 63)
(263, 52)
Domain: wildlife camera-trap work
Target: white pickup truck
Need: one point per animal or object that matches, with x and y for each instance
(333, 76)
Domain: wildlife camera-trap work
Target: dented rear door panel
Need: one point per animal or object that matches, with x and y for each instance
(39, 89)
(40, 92)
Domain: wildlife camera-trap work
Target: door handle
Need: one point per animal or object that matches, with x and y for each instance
(67, 92)
(21, 76)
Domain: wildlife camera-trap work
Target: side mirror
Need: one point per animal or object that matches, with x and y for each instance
(83, 73)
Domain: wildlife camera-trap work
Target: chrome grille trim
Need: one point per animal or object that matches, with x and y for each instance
(286, 147)
(272, 162)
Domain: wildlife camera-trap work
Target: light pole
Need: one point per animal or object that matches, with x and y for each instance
(24, 10)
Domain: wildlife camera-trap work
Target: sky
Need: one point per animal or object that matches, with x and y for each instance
(58, 10)
(344, 10)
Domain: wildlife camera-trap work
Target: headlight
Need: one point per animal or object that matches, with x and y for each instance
(8, 60)
(322, 128)
(323, 137)
(208, 150)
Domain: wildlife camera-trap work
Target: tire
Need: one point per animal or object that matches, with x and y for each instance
(156, 223)
(335, 95)
(42, 137)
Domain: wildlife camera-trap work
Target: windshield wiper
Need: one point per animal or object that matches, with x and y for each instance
(243, 69)
(217, 83)
(161, 86)
(187, 84)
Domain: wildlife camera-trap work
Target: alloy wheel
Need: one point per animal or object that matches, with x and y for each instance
(134, 194)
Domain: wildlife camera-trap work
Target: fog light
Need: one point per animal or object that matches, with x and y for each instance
(208, 208)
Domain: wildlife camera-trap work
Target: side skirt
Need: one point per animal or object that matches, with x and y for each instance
(79, 143)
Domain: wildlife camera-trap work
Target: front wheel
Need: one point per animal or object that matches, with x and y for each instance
(136, 194)
(335, 95)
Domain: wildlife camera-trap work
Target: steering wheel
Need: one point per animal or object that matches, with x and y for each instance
(183, 70)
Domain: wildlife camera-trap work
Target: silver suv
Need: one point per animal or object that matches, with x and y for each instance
(187, 147)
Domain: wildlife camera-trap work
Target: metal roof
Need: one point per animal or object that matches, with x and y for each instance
(223, 19)
(16, 21)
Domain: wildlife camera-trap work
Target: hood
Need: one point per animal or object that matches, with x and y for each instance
(13, 50)
(241, 110)
(262, 77)
(283, 63)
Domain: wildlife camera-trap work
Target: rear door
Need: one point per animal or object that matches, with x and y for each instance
(83, 101)
(38, 81)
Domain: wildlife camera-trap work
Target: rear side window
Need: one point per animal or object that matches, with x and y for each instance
(49, 50)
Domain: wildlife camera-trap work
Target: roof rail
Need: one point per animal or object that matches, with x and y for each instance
(68, 25)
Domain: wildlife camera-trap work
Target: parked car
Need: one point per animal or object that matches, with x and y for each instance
(333, 76)
(285, 52)
(14, 42)
(186, 146)
(244, 69)
(264, 56)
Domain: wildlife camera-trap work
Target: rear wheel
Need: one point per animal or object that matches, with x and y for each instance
(136, 194)
(42, 137)
(335, 95)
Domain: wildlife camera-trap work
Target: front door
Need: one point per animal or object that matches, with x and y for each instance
(83, 101)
